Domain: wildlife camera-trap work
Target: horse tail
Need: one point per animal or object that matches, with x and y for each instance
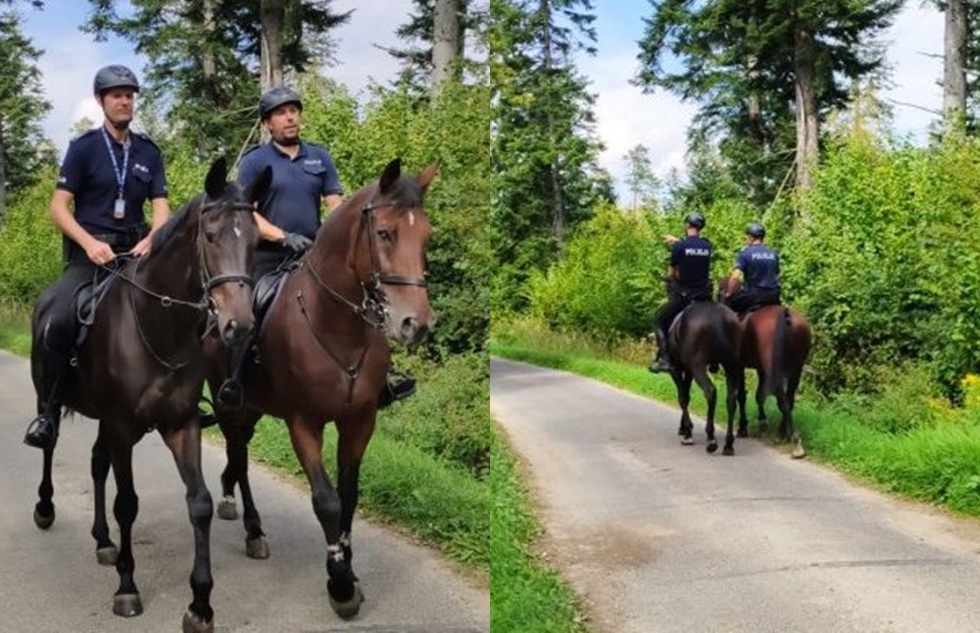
(777, 378)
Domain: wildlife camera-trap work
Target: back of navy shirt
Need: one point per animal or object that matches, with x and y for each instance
(87, 172)
(760, 265)
(293, 200)
(692, 258)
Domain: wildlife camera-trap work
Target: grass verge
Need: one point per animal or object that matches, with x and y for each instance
(525, 595)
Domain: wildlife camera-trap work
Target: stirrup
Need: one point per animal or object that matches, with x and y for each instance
(660, 365)
(398, 386)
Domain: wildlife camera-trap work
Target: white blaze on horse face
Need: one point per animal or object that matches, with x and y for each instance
(411, 218)
(238, 231)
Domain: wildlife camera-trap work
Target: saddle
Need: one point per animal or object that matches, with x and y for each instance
(267, 291)
(87, 300)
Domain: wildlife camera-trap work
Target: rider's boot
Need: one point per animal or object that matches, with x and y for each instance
(42, 432)
(398, 386)
(662, 362)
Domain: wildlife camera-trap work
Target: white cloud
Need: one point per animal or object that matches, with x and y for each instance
(913, 41)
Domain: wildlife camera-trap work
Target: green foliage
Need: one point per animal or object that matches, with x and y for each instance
(884, 262)
(30, 246)
(448, 417)
(451, 131)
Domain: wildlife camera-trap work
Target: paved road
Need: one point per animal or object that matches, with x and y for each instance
(50, 582)
(660, 537)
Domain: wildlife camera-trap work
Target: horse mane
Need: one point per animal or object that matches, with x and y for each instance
(173, 225)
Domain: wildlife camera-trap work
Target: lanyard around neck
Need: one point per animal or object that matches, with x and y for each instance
(120, 174)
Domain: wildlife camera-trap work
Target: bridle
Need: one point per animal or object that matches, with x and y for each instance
(374, 306)
(209, 282)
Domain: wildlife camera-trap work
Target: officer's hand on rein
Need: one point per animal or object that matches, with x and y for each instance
(296, 243)
(100, 253)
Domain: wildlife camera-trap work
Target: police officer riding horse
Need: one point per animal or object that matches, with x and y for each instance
(688, 280)
(754, 281)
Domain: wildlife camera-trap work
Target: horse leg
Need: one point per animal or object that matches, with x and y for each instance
(711, 395)
(237, 435)
(792, 384)
(353, 433)
(105, 550)
(307, 438)
(185, 444)
(126, 601)
(682, 380)
(743, 420)
(44, 508)
(734, 378)
(760, 401)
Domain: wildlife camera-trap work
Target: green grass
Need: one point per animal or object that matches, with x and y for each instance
(526, 597)
(15, 328)
(935, 461)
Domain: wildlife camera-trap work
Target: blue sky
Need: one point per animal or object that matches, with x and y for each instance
(626, 117)
(71, 57)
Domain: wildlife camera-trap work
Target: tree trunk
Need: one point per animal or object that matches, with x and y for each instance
(756, 130)
(557, 205)
(445, 42)
(807, 126)
(208, 65)
(954, 67)
(273, 16)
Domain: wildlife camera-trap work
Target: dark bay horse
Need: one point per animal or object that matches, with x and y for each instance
(704, 336)
(776, 343)
(141, 368)
(324, 355)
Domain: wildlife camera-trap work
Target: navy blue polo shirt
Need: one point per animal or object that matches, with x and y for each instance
(88, 173)
(692, 258)
(760, 266)
(293, 200)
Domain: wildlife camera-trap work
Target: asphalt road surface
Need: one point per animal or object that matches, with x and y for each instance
(659, 537)
(50, 581)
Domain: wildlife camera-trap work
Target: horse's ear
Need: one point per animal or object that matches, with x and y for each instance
(217, 179)
(427, 175)
(390, 176)
(256, 189)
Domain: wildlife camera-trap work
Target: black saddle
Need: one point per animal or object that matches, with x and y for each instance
(87, 300)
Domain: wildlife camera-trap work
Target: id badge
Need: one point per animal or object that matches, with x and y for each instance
(119, 210)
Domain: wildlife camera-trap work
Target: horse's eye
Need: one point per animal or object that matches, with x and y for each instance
(385, 235)
(210, 236)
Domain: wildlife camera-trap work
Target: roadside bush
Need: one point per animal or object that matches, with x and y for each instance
(30, 245)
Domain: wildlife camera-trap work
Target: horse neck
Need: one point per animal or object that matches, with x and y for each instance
(332, 255)
(173, 270)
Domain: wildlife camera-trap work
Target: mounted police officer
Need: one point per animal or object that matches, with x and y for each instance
(107, 175)
(688, 280)
(755, 279)
(303, 177)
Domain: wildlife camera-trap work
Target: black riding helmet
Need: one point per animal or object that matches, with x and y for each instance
(756, 230)
(694, 219)
(114, 76)
(275, 97)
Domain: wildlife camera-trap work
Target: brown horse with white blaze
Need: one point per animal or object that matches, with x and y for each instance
(322, 355)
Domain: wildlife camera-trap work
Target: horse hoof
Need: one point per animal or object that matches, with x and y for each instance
(799, 452)
(257, 548)
(227, 509)
(194, 624)
(728, 450)
(711, 447)
(107, 555)
(127, 604)
(43, 522)
(743, 433)
(349, 608)
(687, 441)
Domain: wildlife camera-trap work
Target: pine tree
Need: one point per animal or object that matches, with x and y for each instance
(545, 177)
(209, 59)
(23, 149)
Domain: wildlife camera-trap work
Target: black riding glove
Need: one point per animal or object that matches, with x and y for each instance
(296, 243)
